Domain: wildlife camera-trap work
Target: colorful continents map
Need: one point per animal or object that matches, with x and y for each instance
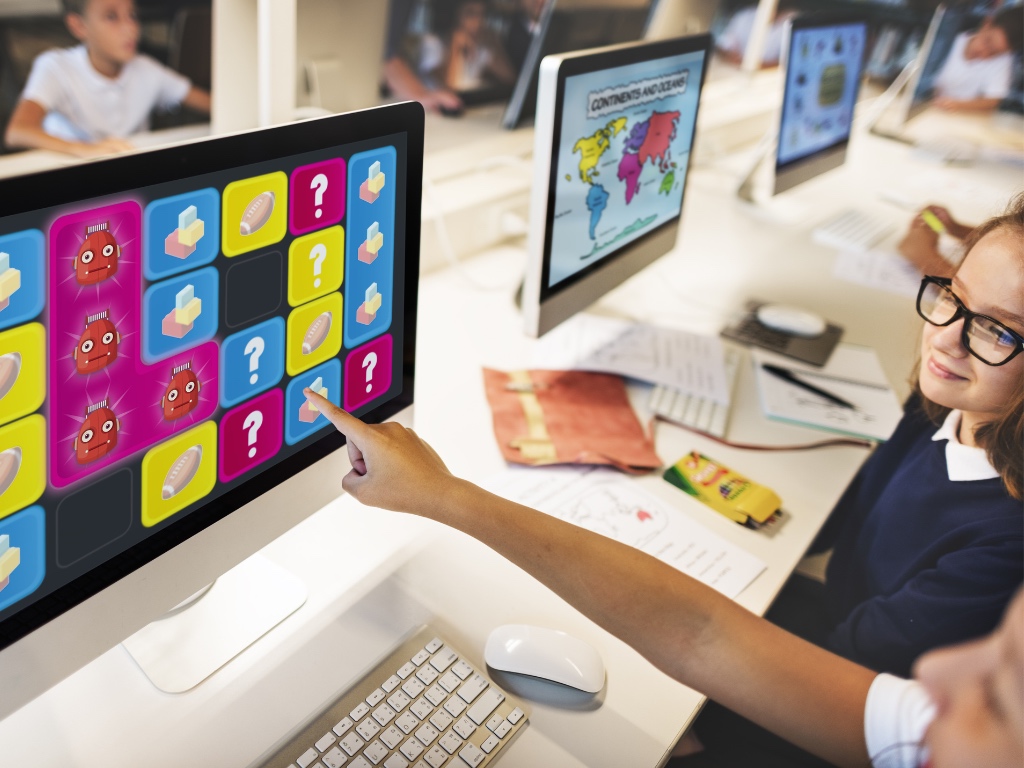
(648, 141)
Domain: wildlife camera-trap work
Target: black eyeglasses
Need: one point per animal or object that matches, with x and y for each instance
(988, 340)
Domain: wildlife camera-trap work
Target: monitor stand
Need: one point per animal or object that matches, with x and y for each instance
(203, 633)
(756, 189)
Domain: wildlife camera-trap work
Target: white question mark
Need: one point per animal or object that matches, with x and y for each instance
(320, 182)
(369, 362)
(318, 254)
(253, 422)
(254, 347)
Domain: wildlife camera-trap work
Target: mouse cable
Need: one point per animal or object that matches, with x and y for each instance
(834, 442)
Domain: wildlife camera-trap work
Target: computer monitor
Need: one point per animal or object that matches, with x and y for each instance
(161, 314)
(612, 148)
(824, 60)
(572, 25)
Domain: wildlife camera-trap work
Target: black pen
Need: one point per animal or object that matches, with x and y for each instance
(787, 375)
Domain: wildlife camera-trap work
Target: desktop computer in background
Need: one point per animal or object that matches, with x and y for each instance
(614, 131)
(160, 315)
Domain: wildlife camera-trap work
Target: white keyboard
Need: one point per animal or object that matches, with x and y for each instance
(851, 230)
(694, 412)
(424, 706)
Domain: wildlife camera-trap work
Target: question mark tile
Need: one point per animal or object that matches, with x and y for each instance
(251, 361)
(300, 421)
(314, 334)
(315, 265)
(250, 434)
(368, 372)
(317, 196)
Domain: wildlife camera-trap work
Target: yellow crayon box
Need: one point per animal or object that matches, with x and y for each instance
(727, 492)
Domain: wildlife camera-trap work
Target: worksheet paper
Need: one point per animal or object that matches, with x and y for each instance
(691, 362)
(605, 502)
(881, 270)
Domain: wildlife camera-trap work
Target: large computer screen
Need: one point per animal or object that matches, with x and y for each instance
(614, 133)
(160, 315)
(824, 62)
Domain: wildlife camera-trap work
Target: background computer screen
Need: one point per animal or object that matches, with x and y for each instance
(620, 158)
(823, 74)
(160, 316)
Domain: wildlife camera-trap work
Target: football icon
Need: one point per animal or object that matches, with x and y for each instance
(316, 333)
(257, 213)
(10, 367)
(10, 463)
(182, 471)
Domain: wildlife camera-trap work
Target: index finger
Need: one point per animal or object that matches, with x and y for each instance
(346, 423)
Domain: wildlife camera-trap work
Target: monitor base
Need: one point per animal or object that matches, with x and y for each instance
(183, 648)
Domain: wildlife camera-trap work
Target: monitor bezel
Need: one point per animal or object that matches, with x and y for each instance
(116, 175)
(790, 174)
(545, 306)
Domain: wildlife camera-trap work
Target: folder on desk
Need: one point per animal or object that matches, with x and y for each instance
(853, 373)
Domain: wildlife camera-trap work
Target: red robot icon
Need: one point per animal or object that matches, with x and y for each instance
(182, 394)
(97, 256)
(98, 434)
(97, 346)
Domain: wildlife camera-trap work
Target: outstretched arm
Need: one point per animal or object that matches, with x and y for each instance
(25, 131)
(686, 629)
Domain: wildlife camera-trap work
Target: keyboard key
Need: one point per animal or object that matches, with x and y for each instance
(472, 755)
(422, 708)
(384, 714)
(352, 744)
(368, 729)
(427, 675)
(343, 725)
(412, 749)
(462, 669)
(413, 687)
(434, 644)
(360, 712)
(391, 736)
(464, 728)
(420, 657)
(375, 753)
(334, 758)
(455, 706)
(444, 659)
(485, 705)
(435, 695)
(376, 697)
(427, 733)
(406, 722)
(502, 730)
(515, 715)
(473, 688)
(450, 742)
(435, 757)
(441, 719)
(490, 743)
(406, 669)
(450, 681)
(360, 762)
(306, 758)
(398, 701)
(391, 683)
(494, 722)
(325, 741)
(396, 761)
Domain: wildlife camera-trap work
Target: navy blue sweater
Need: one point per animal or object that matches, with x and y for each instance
(920, 561)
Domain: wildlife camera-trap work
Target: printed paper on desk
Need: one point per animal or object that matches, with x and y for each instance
(606, 503)
(691, 362)
(882, 270)
(852, 373)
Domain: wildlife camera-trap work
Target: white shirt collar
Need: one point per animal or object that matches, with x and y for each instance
(963, 462)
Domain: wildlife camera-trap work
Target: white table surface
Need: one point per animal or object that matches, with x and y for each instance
(375, 576)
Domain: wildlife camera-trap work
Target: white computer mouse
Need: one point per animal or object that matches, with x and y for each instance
(546, 653)
(792, 320)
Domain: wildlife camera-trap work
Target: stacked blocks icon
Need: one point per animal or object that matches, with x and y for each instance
(308, 412)
(369, 308)
(369, 249)
(10, 558)
(181, 243)
(370, 189)
(187, 307)
(10, 280)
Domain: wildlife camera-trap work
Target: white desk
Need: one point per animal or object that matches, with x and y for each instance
(109, 715)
